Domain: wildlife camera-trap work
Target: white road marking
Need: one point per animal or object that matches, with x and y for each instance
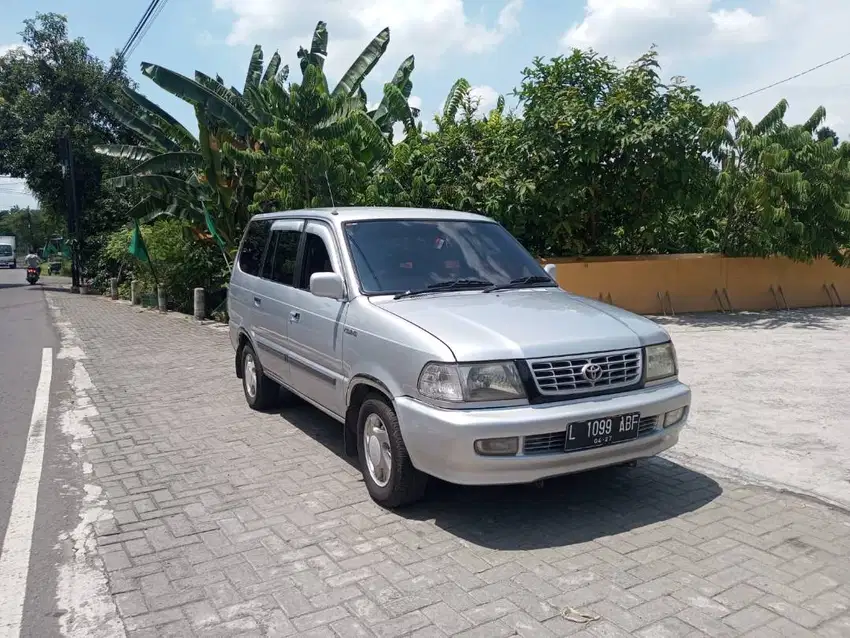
(15, 557)
(81, 585)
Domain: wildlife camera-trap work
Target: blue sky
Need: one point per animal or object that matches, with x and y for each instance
(727, 47)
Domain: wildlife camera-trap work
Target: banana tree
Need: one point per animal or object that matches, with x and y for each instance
(394, 106)
(256, 132)
(316, 147)
(457, 94)
(185, 175)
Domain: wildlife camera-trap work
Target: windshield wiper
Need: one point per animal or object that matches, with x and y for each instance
(522, 282)
(449, 284)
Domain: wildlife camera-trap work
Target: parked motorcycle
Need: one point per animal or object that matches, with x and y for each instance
(32, 275)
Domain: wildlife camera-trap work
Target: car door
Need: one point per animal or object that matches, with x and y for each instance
(247, 290)
(277, 290)
(315, 324)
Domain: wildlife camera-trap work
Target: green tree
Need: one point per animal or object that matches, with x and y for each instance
(30, 226)
(824, 132)
(183, 175)
(318, 145)
(469, 163)
(609, 150)
(181, 262)
(49, 89)
(267, 131)
(782, 190)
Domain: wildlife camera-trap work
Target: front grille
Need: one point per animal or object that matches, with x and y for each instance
(587, 374)
(553, 442)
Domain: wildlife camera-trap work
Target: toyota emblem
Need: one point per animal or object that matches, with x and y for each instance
(592, 372)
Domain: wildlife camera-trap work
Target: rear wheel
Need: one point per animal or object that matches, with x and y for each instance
(261, 393)
(389, 475)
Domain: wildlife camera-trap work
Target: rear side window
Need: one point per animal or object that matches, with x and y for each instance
(251, 255)
(281, 256)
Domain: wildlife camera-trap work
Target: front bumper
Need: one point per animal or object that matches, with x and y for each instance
(440, 442)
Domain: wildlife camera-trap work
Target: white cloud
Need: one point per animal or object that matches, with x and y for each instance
(5, 48)
(731, 50)
(739, 25)
(626, 28)
(427, 28)
(487, 97)
(14, 191)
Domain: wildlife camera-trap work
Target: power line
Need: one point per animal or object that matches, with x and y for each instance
(154, 15)
(793, 77)
(134, 35)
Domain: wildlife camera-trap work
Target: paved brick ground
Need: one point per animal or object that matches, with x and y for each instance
(229, 522)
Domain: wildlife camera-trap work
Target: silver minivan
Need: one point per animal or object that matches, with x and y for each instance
(445, 349)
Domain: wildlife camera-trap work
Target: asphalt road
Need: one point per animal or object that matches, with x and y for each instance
(25, 330)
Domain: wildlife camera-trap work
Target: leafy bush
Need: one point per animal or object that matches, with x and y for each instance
(181, 261)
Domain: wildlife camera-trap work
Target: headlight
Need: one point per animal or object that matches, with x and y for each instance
(494, 381)
(661, 361)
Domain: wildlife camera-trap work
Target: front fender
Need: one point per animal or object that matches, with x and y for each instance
(371, 381)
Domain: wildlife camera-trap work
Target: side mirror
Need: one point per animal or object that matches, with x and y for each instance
(327, 284)
(551, 269)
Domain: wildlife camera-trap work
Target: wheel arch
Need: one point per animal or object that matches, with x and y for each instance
(360, 387)
(243, 340)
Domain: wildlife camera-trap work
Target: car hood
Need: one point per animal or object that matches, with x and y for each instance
(524, 324)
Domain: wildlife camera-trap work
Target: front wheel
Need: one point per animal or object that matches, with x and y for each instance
(389, 475)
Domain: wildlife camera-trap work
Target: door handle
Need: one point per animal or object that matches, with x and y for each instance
(257, 301)
(294, 317)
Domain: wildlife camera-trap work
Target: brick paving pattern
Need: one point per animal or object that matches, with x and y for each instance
(229, 522)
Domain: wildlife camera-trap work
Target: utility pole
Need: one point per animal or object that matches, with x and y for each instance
(29, 226)
(67, 155)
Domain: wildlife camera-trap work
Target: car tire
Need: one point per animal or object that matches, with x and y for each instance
(392, 484)
(261, 392)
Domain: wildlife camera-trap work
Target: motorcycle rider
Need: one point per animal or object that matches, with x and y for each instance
(32, 260)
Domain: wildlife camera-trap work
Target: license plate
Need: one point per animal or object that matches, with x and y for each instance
(603, 431)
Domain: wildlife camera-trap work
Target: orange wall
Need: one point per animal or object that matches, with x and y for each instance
(690, 280)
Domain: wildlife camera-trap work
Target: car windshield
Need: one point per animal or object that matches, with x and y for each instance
(395, 256)
(5, 250)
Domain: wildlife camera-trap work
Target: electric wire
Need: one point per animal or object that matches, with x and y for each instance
(160, 6)
(134, 35)
(788, 79)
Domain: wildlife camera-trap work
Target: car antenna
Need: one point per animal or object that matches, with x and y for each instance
(331, 193)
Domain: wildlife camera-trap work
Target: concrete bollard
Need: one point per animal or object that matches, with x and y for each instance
(113, 288)
(84, 289)
(200, 304)
(134, 293)
(160, 297)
